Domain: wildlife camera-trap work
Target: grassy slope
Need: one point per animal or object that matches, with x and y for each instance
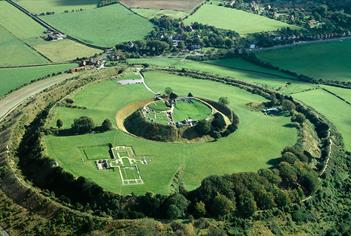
(334, 109)
(240, 72)
(232, 19)
(104, 26)
(40, 6)
(342, 92)
(24, 55)
(12, 78)
(325, 60)
(246, 150)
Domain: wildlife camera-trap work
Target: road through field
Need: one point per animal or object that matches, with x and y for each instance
(14, 99)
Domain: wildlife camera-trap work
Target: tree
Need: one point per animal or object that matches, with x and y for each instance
(299, 118)
(288, 105)
(176, 205)
(173, 96)
(83, 125)
(246, 204)
(59, 123)
(200, 209)
(106, 125)
(168, 91)
(218, 121)
(221, 206)
(223, 100)
(203, 127)
(190, 95)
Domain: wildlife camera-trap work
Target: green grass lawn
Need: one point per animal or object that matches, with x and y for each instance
(42, 6)
(190, 110)
(235, 68)
(342, 92)
(248, 149)
(12, 78)
(237, 20)
(152, 13)
(334, 109)
(159, 106)
(325, 60)
(106, 26)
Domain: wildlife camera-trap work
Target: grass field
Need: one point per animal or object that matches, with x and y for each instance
(190, 110)
(324, 60)
(342, 92)
(12, 78)
(159, 106)
(151, 13)
(246, 150)
(14, 52)
(231, 19)
(180, 5)
(334, 109)
(235, 68)
(106, 26)
(24, 39)
(42, 6)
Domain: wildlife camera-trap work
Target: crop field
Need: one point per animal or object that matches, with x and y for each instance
(333, 108)
(152, 13)
(12, 78)
(248, 149)
(235, 68)
(181, 5)
(231, 19)
(42, 6)
(324, 60)
(105, 26)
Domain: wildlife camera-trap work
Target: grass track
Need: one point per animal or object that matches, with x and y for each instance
(246, 150)
(231, 19)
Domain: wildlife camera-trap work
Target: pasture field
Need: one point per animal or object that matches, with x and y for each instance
(65, 50)
(324, 60)
(42, 6)
(152, 13)
(248, 149)
(342, 92)
(12, 78)
(29, 33)
(333, 108)
(180, 5)
(237, 20)
(14, 52)
(235, 68)
(105, 26)
(159, 106)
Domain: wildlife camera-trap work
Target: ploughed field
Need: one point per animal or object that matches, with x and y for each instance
(232, 19)
(248, 149)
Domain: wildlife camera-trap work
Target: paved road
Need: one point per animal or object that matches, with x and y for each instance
(14, 99)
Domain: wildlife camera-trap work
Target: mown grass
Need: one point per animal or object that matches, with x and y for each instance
(231, 19)
(236, 68)
(342, 92)
(190, 110)
(324, 60)
(12, 78)
(246, 150)
(106, 26)
(333, 108)
(42, 6)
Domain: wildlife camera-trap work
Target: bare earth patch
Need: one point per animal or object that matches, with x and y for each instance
(180, 5)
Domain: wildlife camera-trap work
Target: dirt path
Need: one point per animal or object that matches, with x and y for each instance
(14, 99)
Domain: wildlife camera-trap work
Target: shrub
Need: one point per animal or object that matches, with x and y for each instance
(106, 125)
(83, 125)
